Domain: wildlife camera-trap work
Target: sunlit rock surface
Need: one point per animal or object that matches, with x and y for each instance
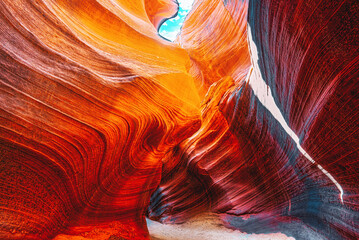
(252, 114)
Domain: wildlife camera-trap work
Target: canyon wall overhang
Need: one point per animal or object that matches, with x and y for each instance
(252, 113)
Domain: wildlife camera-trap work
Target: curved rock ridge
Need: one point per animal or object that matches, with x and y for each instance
(278, 145)
(215, 37)
(251, 114)
(91, 99)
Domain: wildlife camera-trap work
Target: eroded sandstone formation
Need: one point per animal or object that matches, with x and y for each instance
(252, 114)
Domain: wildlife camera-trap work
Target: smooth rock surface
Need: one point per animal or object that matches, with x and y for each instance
(252, 114)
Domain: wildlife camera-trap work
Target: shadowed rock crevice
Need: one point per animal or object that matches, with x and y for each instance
(251, 116)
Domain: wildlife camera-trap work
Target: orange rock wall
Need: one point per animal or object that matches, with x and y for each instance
(90, 103)
(103, 122)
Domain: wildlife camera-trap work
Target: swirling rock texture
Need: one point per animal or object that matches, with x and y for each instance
(252, 114)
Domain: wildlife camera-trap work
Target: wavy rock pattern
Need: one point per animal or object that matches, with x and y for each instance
(252, 115)
(86, 115)
(278, 143)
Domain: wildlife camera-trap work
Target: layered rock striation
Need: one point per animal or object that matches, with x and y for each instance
(251, 114)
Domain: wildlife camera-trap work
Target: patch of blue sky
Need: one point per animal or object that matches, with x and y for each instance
(171, 27)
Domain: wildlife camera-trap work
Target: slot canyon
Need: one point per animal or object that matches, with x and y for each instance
(245, 126)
